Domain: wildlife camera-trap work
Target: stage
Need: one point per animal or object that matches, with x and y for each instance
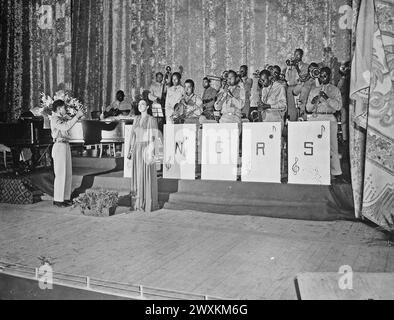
(304, 202)
(226, 256)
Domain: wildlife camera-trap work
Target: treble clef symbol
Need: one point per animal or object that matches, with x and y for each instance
(168, 164)
(295, 167)
(323, 129)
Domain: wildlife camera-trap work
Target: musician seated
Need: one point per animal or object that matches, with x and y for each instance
(118, 107)
(231, 100)
(189, 109)
(273, 103)
(208, 99)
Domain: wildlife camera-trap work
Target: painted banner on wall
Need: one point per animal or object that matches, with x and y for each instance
(261, 152)
(309, 152)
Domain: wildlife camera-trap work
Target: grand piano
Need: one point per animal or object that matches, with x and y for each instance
(91, 132)
(28, 132)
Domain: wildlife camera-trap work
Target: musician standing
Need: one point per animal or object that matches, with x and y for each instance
(273, 102)
(295, 71)
(324, 101)
(174, 96)
(303, 89)
(61, 153)
(248, 84)
(155, 96)
(231, 100)
(208, 99)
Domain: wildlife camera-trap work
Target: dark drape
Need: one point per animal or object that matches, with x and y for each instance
(17, 85)
(35, 52)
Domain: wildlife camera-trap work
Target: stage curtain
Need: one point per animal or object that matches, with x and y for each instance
(120, 44)
(35, 52)
(372, 112)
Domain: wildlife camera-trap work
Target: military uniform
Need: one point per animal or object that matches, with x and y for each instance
(324, 110)
(61, 154)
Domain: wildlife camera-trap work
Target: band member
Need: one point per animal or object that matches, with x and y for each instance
(61, 152)
(248, 84)
(142, 149)
(330, 61)
(174, 96)
(156, 89)
(296, 70)
(189, 109)
(324, 101)
(155, 96)
(231, 100)
(255, 96)
(273, 103)
(276, 76)
(208, 99)
(117, 107)
(303, 89)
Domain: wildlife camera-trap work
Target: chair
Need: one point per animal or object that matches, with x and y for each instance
(4, 150)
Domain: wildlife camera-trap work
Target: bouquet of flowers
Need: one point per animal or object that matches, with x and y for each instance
(72, 104)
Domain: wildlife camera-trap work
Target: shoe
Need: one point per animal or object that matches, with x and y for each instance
(59, 204)
(69, 203)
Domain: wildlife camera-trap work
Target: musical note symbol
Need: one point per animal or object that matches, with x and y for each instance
(295, 167)
(323, 129)
(273, 131)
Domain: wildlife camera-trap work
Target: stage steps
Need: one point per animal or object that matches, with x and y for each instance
(303, 202)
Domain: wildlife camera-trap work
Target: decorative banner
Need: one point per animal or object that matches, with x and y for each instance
(127, 162)
(309, 152)
(179, 151)
(261, 152)
(220, 151)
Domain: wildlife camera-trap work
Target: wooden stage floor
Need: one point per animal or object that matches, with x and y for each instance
(235, 257)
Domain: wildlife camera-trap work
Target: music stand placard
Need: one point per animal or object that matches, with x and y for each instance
(219, 151)
(309, 152)
(261, 152)
(179, 151)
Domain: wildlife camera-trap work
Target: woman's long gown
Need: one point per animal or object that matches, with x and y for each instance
(144, 175)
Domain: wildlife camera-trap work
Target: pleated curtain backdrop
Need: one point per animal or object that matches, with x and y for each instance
(120, 44)
(35, 52)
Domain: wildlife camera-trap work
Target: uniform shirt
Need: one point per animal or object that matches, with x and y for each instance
(303, 90)
(209, 98)
(174, 96)
(248, 84)
(60, 125)
(192, 106)
(331, 105)
(155, 91)
(117, 105)
(231, 104)
(292, 75)
(275, 96)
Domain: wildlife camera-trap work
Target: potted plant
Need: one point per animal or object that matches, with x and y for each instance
(97, 202)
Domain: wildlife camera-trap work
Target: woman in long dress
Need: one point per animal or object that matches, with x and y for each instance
(142, 152)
